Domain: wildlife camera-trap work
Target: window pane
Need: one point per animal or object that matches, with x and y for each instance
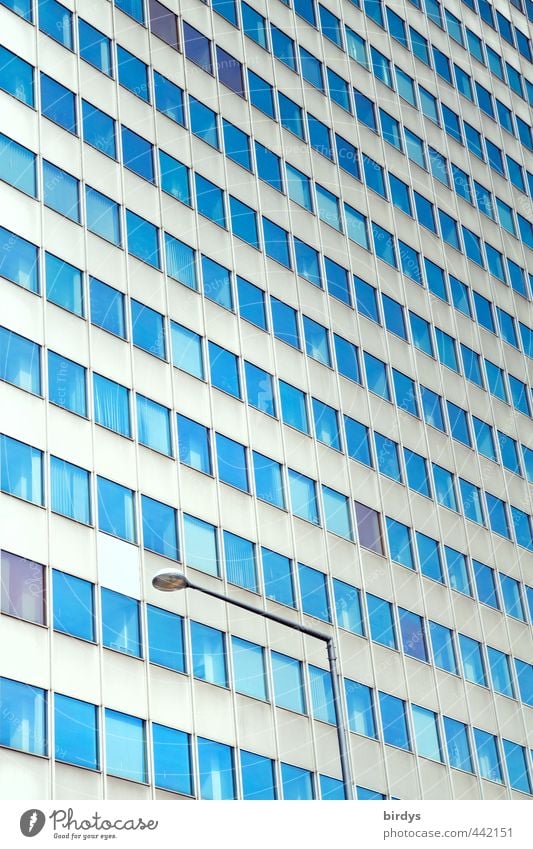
(472, 658)
(208, 654)
(58, 104)
(487, 755)
(75, 732)
(120, 623)
(20, 361)
(18, 166)
(360, 708)
(148, 328)
(321, 695)
(231, 462)
(259, 389)
(303, 497)
(394, 721)
(64, 284)
(21, 470)
(125, 746)
(165, 638)
(16, 76)
(257, 772)
(239, 555)
(348, 607)
(277, 574)
(95, 47)
(70, 491)
(201, 550)
(297, 783)
(153, 425)
(111, 405)
(133, 74)
(159, 528)
(268, 480)
(187, 350)
(194, 444)
(443, 648)
(457, 744)
(66, 384)
(368, 528)
(172, 759)
(248, 668)
(116, 510)
(288, 683)
(313, 592)
(22, 588)
(107, 307)
(413, 636)
(215, 762)
(103, 216)
(224, 370)
(23, 710)
(381, 621)
(73, 605)
(426, 733)
(19, 260)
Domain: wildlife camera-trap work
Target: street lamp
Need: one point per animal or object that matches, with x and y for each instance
(170, 580)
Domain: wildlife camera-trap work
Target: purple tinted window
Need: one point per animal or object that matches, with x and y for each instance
(22, 587)
(368, 528)
(230, 71)
(197, 47)
(164, 23)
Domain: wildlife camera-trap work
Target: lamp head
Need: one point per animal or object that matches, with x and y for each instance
(169, 580)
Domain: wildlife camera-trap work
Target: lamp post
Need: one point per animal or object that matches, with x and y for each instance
(170, 580)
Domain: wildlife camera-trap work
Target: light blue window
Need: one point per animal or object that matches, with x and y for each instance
(394, 721)
(319, 136)
(20, 7)
(348, 607)
(458, 424)
(180, 262)
(20, 361)
(21, 470)
(394, 317)
(116, 510)
(400, 194)
(172, 762)
(203, 122)
(426, 733)
(133, 74)
(485, 584)
(405, 393)
(313, 592)
(165, 638)
(425, 212)
(169, 98)
(487, 755)
(259, 389)
(446, 349)
(512, 598)
(143, 239)
(153, 425)
(472, 660)
(326, 424)
(23, 710)
(432, 408)
(498, 519)
(224, 370)
(16, 76)
(290, 115)
(268, 166)
(307, 262)
(111, 405)
(500, 672)
(387, 457)
(125, 746)
(417, 472)
(299, 187)
(251, 303)
(421, 333)
(311, 69)
(193, 442)
(210, 200)
(237, 143)
(390, 130)
(376, 376)
(282, 45)
(148, 328)
(400, 547)
(75, 732)
(365, 110)
(243, 222)
(288, 682)
(457, 570)
(303, 497)
(261, 94)
(70, 491)
(471, 500)
(444, 487)
(515, 759)
(103, 216)
(133, 8)
(19, 260)
(519, 395)
(56, 21)
(413, 634)
(472, 365)
(257, 772)
(174, 177)
(73, 606)
(107, 307)
(254, 25)
(248, 668)
(524, 675)
(98, 130)
(321, 690)
(120, 623)
(208, 654)
(339, 91)
(231, 462)
(366, 297)
(347, 358)
(268, 480)
(331, 789)
(316, 341)
(276, 241)
(507, 327)
(356, 47)
(347, 156)
(58, 104)
(159, 528)
(442, 647)
(239, 554)
(435, 279)
(216, 771)
(439, 168)
(337, 281)
(359, 701)
(18, 166)
(95, 47)
(297, 783)
(66, 384)
(384, 245)
(363, 793)
(381, 621)
(484, 438)
(457, 744)
(64, 284)
(277, 575)
(509, 454)
(406, 90)
(201, 546)
(293, 407)
(358, 441)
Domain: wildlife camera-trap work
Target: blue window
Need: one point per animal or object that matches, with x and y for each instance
(257, 772)
(66, 384)
(457, 570)
(442, 647)
(58, 104)
(457, 744)
(296, 782)
(210, 200)
(471, 365)
(20, 7)
(400, 547)
(311, 69)
(282, 45)
(387, 457)
(69, 491)
(426, 733)
(243, 222)
(64, 284)
(313, 593)
(95, 47)
(194, 446)
(365, 110)
(224, 370)
(125, 746)
(259, 391)
(509, 455)
(208, 654)
(180, 262)
(148, 329)
(285, 322)
(116, 510)
(413, 634)
(231, 461)
(197, 48)
(339, 91)
(236, 142)
(337, 512)
(484, 437)
(290, 115)
(384, 245)
(500, 673)
(366, 297)
(515, 759)
(356, 226)
(417, 472)
(316, 341)
(376, 376)
(394, 721)
(73, 605)
(133, 74)
(201, 547)
(358, 441)
(16, 77)
(485, 584)
(337, 281)
(432, 408)
(406, 90)
(421, 333)
(319, 136)
(472, 660)
(240, 559)
(111, 405)
(444, 487)
(368, 528)
(216, 773)
(254, 25)
(277, 573)
(405, 392)
(303, 497)
(458, 424)
(107, 307)
(217, 283)
(56, 21)
(168, 98)
(348, 607)
(400, 194)
(229, 71)
(20, 361)
(307, 262)
(137, 154)
(159, 528)
(23, 710)
(326, 424)
(261, 94)
(512, 598)
(487, 755)
(299, 187)
(203, 122)
(98, 130)
(268, 166)
(293, 406)
(524, 675)
(120, 623)
(18, 166)
(347, 358)
(321, 694)
(381, 621)
(356, 46)
(519, 395)
(359, 701)
(374, 176)
(143, 239)
(21, 470)
(471, 500)
(288, 682)
(165, 638)
(347, 156)
(172, 759)
(75, 732)
(133, 8)
(103, 215)
(248, 668)
(394, 316)
(276, 241)
(498, 519)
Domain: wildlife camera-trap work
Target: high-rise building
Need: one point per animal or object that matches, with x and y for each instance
(265, 316)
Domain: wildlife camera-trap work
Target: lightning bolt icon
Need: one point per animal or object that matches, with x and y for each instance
(33, 820)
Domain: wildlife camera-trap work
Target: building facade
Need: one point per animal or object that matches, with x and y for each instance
(265, 314)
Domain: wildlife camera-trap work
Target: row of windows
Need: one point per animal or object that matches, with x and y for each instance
(406, 726)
